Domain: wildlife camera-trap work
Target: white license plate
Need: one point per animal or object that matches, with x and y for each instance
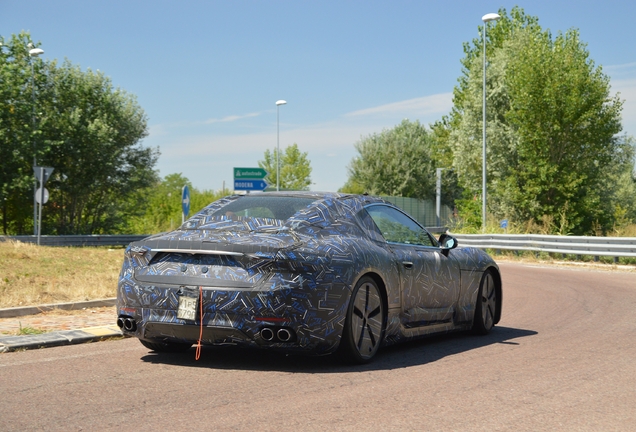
(187, 308)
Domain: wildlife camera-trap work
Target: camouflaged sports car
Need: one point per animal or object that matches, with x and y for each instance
(303, 271)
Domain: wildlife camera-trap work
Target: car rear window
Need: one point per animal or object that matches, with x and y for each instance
(281, 208)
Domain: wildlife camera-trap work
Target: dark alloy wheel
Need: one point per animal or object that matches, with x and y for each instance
(486, 305)
(166, 347)
(364, 326)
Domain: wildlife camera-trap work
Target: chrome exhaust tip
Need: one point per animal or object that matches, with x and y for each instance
(284, 335)
(267, 334)
(130, 325)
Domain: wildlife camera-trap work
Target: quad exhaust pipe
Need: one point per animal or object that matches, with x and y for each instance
(267, 334)
(127, 323)
(277, 334)
(284, 335)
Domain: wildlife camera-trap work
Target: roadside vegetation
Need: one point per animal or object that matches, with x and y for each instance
(557, 160)
(33, 275)
(84, 127)
(26, 330)
(295, 168)
(470, 223)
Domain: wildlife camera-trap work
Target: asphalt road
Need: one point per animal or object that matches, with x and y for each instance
(562, 358)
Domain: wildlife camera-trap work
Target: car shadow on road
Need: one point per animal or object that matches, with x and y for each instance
(413, 353)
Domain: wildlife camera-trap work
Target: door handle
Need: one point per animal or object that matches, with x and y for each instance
(407, 264)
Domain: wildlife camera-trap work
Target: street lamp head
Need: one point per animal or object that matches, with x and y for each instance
(281, 102)
(490, 17)
(36, 52)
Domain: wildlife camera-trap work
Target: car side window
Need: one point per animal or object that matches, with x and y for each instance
(369, 226)
(396, 227)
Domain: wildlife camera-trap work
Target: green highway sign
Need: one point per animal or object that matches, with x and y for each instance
(249, 173)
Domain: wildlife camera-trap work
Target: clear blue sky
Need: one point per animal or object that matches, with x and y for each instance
(208, 73)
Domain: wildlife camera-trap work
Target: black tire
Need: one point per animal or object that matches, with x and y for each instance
(486, 305)
(166, 347)
(364, 326)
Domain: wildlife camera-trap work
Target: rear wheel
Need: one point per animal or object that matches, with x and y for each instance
(486, 305)
(363, 331)
(167, 347)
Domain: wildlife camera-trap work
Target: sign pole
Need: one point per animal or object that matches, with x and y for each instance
(41, 202)
(35, 206)
(40, 196)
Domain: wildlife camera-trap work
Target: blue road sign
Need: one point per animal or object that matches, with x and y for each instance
(504, 223)
(185, 200)
(249, 185)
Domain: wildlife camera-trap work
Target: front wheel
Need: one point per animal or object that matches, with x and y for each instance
(486, 305)
(364, 325)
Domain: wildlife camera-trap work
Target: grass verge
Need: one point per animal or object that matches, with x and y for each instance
(32, 275)
(29, 331)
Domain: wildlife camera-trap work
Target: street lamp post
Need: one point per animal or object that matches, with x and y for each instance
(278, 104)
(438, 197)
(34, 52)
(486, 19)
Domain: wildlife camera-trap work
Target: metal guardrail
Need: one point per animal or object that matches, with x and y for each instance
(77, 240)
(595, 246)
(104, 240)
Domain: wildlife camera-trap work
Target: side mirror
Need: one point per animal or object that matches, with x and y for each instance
(447, 242)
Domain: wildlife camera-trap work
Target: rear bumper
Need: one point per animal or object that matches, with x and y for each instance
(315, 317)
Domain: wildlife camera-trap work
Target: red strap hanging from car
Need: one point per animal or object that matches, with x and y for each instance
(198, 352)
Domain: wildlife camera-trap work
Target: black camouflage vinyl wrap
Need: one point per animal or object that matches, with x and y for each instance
(296, 274)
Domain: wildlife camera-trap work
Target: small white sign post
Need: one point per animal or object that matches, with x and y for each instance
(41, 195)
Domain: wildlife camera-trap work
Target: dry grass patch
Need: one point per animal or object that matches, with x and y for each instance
(32, 275)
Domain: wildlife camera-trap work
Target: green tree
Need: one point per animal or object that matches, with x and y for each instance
(82, 126)
(17, 117)
(295, 168)
(552, 127)
(622, 184)
(163, 210)
(352, 187)
(91, 134)
(401, 161)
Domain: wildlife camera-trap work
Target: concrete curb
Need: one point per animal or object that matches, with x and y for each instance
(58, 338)
(34, 310)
